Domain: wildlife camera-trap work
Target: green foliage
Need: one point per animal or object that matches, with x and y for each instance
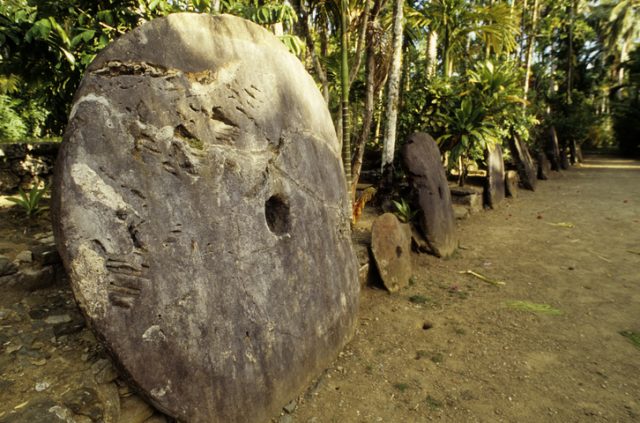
(626, 110)
(418, 299)
(30, 201)
(403, 211)
(573, 121)
(12, 127)
(633, 337)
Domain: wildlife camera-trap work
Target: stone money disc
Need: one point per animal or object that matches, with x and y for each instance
(201, 212)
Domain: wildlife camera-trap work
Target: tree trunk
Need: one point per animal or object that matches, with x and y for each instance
(570, 70)
(215, 6)
(369, 96)
(394, 86)
(305, 30)
(344, 84)
(531, 41)
(432, 54)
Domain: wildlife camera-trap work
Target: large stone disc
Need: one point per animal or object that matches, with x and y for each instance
(201, 211)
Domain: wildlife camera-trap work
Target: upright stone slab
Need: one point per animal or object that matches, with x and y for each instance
(527, 169)
(544, 166)
(421, 159)
(201, 212)
(494, 188)
(552, 149)
(511, 182)
(564, 159)
(391, 248)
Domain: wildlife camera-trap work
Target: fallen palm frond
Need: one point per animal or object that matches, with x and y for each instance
(358, 206)
(536, 308)
(562, 224)
(482, 277)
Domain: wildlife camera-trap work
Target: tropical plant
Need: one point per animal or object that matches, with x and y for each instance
(30, 201)
(403, 211)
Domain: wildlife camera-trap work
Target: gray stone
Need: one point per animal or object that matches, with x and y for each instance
(24, 256)
(524, 163)
(57, 318)
(391, 248)
(110, 400)
(544, 166)
(494, 187)
(33, 278)
(564, 159)
(9, 181)
(103, 371)
(511, 182)
(552, 149)
(84, 402)
(467, 196)
(7, 267)
(46, 254)
(421, 158)
(134, 410)
(201, 212)
(291, 406)
(38, 410)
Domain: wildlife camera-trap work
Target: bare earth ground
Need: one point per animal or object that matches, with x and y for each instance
(450, 347)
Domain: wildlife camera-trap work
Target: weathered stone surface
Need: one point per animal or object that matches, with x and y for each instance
(467, 196)
(524, 163)
(564, 159)
(552, 149)
(494, 187)
(544, 166)
(201, 212)
(421, 158)
(391, 248)
(511, 182)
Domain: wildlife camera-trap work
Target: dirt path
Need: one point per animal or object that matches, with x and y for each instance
(483, 360)
(450, 347)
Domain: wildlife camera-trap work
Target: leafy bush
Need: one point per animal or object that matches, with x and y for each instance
(30, 201)
(12, 126)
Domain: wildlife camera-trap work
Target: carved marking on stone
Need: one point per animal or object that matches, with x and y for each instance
(127, 281)
(116, 68)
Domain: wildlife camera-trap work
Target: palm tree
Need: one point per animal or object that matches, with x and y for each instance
(623, 29)
(394, 86)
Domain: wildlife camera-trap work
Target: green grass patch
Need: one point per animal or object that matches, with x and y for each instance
(534, 307)
(433, 403)
(633, 337)
(418, 299)
(437, 358)
(421, 354)
(401, 386)
(460, 331)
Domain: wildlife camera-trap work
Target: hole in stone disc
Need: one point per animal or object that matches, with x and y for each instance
(276, 211)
